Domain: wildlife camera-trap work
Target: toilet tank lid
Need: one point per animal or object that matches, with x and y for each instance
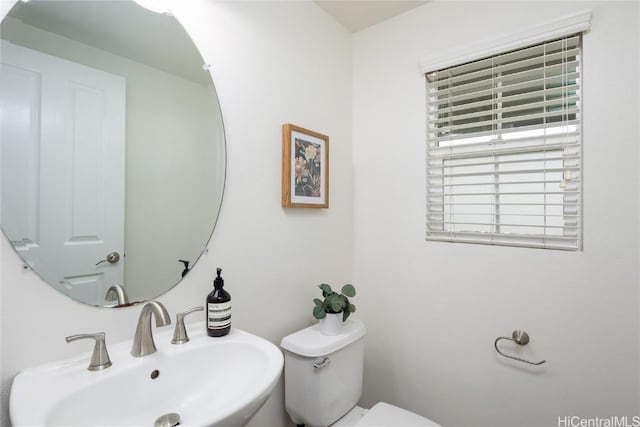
(310, 342)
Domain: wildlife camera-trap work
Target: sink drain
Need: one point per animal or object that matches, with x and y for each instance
(167, 420)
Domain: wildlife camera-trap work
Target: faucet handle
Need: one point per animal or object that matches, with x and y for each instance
(180, 333)
(100, 357)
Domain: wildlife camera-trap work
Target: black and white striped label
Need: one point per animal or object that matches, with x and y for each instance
(218, 315)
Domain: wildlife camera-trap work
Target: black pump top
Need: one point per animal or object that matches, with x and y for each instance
(219, 281)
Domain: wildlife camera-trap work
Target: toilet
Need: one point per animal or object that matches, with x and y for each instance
(323, 381)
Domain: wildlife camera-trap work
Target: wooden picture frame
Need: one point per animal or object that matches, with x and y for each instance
(305, 168)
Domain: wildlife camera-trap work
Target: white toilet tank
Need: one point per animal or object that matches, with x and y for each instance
(323, 374)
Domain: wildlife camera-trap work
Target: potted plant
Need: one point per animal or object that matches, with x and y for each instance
(335, 309)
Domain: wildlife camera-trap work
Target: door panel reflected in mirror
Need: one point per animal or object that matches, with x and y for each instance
(113, 155)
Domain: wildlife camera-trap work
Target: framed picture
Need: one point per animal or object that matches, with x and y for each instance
(305, 168)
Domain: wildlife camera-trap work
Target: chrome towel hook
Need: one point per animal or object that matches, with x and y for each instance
(521, 338)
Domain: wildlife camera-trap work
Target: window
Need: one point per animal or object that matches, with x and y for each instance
(504, 148)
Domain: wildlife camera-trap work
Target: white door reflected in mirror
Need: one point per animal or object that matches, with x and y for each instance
(68, 208)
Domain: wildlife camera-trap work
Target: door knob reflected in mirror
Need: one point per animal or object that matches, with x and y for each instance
(112, 258)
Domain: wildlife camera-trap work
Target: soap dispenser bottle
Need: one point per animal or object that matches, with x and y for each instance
(218, 309)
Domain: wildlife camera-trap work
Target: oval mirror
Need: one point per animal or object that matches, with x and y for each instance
(112, 148)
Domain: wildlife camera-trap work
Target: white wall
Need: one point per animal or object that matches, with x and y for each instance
(174, 146)
(277, 62)
(434, 309)
(272, 63)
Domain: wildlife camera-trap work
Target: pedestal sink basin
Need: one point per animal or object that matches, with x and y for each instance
(207, 382)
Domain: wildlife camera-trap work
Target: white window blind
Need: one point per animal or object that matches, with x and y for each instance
(504, 149)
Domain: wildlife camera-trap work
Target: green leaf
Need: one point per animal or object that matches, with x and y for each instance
(345, 302)
(316, 301)
(327, 303)
(334, 303)
(318, 312)
(326, 289)
(349, 290)
(350, 308)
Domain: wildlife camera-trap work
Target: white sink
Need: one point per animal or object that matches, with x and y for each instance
(207, 381)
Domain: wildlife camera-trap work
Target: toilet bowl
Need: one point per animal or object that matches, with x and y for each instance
(323, 382)
(383, 415)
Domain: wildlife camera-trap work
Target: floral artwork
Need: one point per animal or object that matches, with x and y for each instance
(305, 168)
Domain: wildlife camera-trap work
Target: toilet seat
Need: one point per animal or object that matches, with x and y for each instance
(384, 415)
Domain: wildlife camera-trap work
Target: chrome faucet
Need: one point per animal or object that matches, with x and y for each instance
(100, 357)
(117, 293)
(143, 339)
(180, 332)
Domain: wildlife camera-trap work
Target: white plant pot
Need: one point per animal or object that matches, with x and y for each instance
(332, 324)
